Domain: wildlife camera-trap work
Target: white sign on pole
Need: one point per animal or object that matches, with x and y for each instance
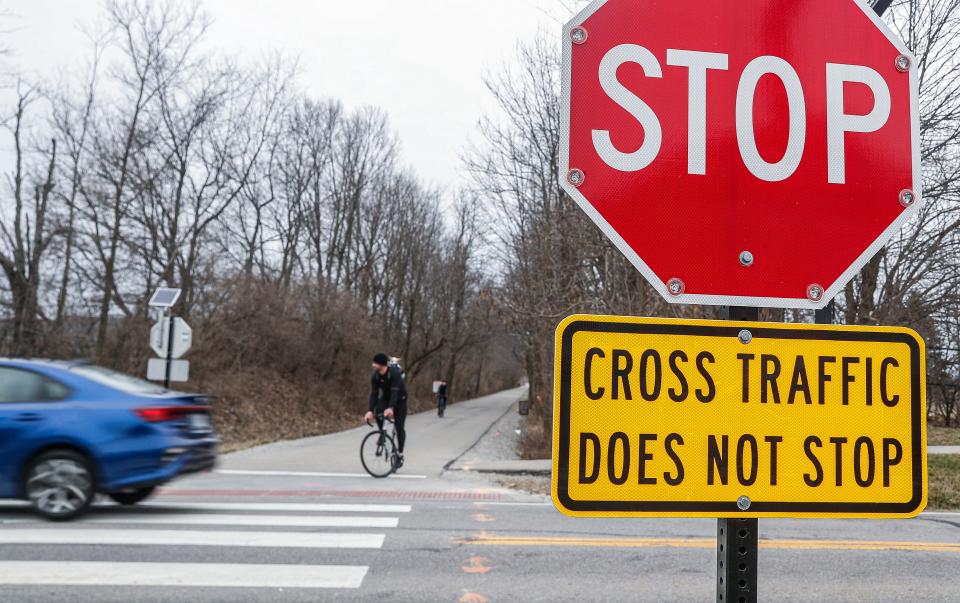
(157, 370)
(182, 337)
(158, 337)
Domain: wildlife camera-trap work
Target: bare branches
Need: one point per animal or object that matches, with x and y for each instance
(172, 165)
(23, 249)
(915, 280)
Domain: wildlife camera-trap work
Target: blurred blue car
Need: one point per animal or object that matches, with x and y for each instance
(70, 430)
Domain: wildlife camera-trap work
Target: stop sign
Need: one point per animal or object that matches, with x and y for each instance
(753, 153)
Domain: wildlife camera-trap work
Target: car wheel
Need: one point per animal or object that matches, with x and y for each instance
(131, 496)
(59, 484)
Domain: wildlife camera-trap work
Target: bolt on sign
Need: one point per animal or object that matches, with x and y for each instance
(784, 135)
(676, 418)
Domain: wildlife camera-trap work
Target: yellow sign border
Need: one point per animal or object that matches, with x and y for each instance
(614, 324)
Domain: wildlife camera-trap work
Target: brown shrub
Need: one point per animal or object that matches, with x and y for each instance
(257, 405)
(537, 442)
(280, 363)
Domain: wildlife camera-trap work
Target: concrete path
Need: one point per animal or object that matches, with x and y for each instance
(432, 442)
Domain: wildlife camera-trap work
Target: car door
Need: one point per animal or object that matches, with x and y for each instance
(27, 400)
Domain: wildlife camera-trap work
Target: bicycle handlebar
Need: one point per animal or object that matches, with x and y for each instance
(380, 416)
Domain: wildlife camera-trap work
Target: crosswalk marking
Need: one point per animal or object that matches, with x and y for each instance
(318, 540)
(215, 519)
(82, 573)
(229, 506)
(279, 507)
(182, 523)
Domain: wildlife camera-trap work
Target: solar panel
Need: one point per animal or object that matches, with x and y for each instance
(164, 298)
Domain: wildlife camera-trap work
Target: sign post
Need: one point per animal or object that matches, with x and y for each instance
(738, 540)
(169, 356)
(170, 338)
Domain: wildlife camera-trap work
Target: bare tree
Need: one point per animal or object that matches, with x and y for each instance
(921, 263)
(25, 236)
(71, 122)
(299, 239)
(155, 41)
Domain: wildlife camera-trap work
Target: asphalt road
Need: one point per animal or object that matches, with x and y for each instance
(298, 521)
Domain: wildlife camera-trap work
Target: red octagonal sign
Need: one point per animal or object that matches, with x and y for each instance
(752, 153)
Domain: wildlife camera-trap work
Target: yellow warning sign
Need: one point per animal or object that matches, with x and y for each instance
(685, 418)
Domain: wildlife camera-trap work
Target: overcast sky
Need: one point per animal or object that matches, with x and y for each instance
(421, 60)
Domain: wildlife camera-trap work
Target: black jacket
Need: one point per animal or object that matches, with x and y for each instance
(442, 391)
(387, 390)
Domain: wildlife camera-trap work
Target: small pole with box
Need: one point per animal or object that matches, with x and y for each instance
(170, 338)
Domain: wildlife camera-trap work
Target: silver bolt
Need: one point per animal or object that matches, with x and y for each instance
(907, 198)
(902, 63)
(675, 286)
(743, 503)
(815, 292)
(576, 177)
(578, 35)
(746, 258)
(745, 336)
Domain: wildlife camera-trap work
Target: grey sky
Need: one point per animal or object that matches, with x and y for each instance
(420, 60)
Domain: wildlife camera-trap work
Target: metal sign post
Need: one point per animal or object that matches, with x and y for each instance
(738, 539)
(737, 560)
(166, 377)
(170, 338)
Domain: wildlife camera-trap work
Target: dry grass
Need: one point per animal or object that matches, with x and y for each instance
(944, 482)
(531, 484)
(258, 407)
(538, 439)
(943, 436)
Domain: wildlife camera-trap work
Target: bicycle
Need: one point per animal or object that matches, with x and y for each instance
(378, 452)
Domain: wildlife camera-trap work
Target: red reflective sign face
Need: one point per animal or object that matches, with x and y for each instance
(749, 153)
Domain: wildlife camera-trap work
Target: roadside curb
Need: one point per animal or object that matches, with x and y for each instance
(943, 449)
(518, 467)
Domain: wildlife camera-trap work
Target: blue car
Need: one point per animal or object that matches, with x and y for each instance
(70, 430)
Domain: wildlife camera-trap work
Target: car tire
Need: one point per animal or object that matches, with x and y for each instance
(59, 485)
(131, 496)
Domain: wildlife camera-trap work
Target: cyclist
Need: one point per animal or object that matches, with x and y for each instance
(388, 394)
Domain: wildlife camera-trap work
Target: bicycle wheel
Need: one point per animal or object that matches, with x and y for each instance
(377, 452)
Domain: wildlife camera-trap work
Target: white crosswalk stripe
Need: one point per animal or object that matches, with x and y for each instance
(193, 538)
(82, 573)
(216, 519)
(167, 524)
(280, 507)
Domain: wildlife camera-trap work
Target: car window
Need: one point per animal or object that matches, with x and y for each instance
(17, 385)
(117, 380)
(54, 390)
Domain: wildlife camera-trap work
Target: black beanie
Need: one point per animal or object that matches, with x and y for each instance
(381, 359)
